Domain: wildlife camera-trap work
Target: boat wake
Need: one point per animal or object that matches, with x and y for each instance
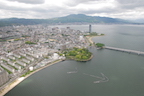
(104, 79)
(101, 79)
(72, 72)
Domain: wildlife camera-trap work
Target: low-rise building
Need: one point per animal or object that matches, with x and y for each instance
(30, 58)
(17, 66)
(21, 63)
(4, 58)
(11, 63)
(22, 54)
(4, 76)
(11, 57)
(18, 56)
(26, 61)
(8, 67)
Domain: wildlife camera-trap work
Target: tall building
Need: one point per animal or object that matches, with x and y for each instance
(90, 28)
(4, 76)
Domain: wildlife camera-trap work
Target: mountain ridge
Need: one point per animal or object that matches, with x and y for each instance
(69, 19)
(90, 19)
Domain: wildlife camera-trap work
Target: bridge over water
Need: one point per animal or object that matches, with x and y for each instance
(125, 50)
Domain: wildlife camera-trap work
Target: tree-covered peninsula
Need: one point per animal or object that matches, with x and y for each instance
(79, 54)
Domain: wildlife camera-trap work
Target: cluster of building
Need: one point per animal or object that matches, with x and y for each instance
(44, 42)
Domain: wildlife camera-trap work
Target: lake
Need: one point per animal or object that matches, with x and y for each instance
(125, 72)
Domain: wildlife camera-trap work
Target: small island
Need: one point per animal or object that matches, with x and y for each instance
(93, 34)
(78, 54)
(100, 45)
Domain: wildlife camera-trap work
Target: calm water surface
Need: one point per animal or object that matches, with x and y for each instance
(125, 71)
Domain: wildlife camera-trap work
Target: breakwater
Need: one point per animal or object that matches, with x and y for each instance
(125, 50)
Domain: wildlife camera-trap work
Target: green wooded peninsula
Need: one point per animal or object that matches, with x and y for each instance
(78, 54)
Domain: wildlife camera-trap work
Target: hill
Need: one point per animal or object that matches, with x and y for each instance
(81, 18)
(73, 19)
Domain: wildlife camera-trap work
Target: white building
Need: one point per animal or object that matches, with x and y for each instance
(81, 38)
(31, 68)
(55, 56)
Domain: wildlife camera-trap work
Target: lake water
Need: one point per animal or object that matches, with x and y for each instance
(125, 71)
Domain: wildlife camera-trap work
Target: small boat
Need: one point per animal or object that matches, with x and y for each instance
(96, 81)
(72, 72)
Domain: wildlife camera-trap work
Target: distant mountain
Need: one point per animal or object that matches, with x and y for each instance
(20, 21)
(81, 18)
(138, 20)
(72, 19)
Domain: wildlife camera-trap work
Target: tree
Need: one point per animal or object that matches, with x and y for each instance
(72, 53)
(29, 42)
(84, 57)
(78, 56)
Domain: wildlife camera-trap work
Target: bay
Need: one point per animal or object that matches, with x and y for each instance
(125, 71)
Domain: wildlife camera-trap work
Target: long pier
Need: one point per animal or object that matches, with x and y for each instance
(125, 50)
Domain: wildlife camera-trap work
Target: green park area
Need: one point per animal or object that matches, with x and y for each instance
(78, 54)
(100, 45)
(29, 42)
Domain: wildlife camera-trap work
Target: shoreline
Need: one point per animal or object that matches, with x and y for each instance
(89, 38)
(87, 59)
(20, 79)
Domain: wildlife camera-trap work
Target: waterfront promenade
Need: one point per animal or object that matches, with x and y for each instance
(19, 80)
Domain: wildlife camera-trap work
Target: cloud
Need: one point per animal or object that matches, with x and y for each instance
(30, 1)
(131, 4)
(77, 2)
(58, 8)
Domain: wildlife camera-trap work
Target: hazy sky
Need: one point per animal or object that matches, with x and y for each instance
(127, 9)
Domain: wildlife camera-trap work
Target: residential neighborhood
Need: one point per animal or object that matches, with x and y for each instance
(29, 47)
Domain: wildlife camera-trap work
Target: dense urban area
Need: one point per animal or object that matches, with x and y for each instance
(27, 48)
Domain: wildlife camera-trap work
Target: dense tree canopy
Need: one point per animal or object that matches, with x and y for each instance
(100, 45)
(78, 54)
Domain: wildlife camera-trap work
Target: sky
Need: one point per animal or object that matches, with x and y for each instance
(44, 9)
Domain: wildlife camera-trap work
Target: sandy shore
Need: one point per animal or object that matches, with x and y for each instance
(20, 79)
(91, 37)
